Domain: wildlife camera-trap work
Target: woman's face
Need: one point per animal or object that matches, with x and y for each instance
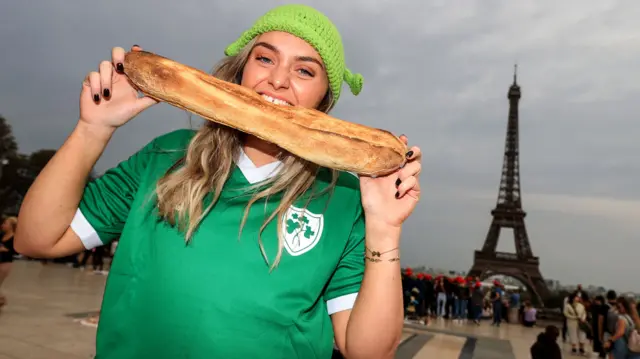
(286, 70)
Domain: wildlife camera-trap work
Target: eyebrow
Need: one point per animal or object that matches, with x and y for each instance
(298, 58)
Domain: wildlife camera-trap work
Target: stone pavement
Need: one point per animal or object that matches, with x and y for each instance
(445, 339)
(45, 301)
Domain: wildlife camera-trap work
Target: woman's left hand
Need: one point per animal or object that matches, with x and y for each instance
(388, 201)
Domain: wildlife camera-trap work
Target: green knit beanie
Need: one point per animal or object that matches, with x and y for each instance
(315, 28)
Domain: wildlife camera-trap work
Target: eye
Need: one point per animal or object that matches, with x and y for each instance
(263, 59)
(305, 72)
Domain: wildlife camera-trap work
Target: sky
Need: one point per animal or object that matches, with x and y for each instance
(437, 71)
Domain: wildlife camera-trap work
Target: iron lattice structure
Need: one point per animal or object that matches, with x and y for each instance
(508, 213)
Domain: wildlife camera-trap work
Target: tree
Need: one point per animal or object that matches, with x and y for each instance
(19, 174)
(14, 183)
(39, 159)
(8, 145)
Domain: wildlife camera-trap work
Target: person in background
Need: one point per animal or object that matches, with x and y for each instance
(441, 297)
(454, 298)
(98, 259)
(412, 306)
(596, 310)
(575, 313)
(514, 306)
(530, 313)
(430, 297)
(463, 302)
(449, 301)
(477, 301)
(634, 346)
(608, 318)
(581, 294)
(496, 300)
(564, 319)
(634, 311)
(422, 307)
(408, 283)
(546, 346)
(6, 251)
(618, 342)
(505, 306)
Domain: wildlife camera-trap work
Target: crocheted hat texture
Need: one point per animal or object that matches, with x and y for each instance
(315, 28)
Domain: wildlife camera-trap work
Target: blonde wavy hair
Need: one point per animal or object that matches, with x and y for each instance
(209, 161)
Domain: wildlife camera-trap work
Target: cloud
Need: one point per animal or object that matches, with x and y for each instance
(437, 71)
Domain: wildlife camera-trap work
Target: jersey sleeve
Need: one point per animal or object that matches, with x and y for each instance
(343, 287)
(107, 200)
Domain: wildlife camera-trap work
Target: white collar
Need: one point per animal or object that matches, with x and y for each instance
(255, 174)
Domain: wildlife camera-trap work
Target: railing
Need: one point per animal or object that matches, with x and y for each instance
(505, 256)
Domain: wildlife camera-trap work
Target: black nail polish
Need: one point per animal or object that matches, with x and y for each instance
(135, 45)
(96, 97)
(105, 93)
(397, 194)
(409, 154)
(120, 67)
(398, 182)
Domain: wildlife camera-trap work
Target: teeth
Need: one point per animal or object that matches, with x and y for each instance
(277, 101)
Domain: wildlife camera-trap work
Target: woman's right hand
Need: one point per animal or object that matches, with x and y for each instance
(108, 100)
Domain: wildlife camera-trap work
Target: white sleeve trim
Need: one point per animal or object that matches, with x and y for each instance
(85, 231)
(339, 304)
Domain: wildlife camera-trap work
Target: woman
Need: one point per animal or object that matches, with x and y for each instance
(496, 302)
(477, 300)
(462, 311)
(204, 215)
(618, 343)
(441, 297)
(598, 310)
(575, 313)
(6, 251)
(529, 318)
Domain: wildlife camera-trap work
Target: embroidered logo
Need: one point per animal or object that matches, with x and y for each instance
(302, 230)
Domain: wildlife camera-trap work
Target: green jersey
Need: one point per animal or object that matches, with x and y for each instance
(216, 297)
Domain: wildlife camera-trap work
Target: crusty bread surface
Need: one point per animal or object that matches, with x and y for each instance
(306, 133)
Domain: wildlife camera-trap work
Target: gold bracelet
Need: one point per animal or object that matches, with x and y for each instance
(377, 260)
(378, 254)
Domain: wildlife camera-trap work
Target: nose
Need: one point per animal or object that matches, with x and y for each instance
(279, 77)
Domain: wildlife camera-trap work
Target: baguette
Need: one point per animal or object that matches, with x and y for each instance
(306, 133)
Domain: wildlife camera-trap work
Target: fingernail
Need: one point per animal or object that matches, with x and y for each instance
(120, 67)
(409, 154)
(397, 194)
(135, 45)
(105, 93)
(96, 97)
(398, 182)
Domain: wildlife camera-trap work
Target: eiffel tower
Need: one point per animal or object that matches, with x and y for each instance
(508, 213)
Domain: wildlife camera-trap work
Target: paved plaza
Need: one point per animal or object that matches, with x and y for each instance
(45, 303)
